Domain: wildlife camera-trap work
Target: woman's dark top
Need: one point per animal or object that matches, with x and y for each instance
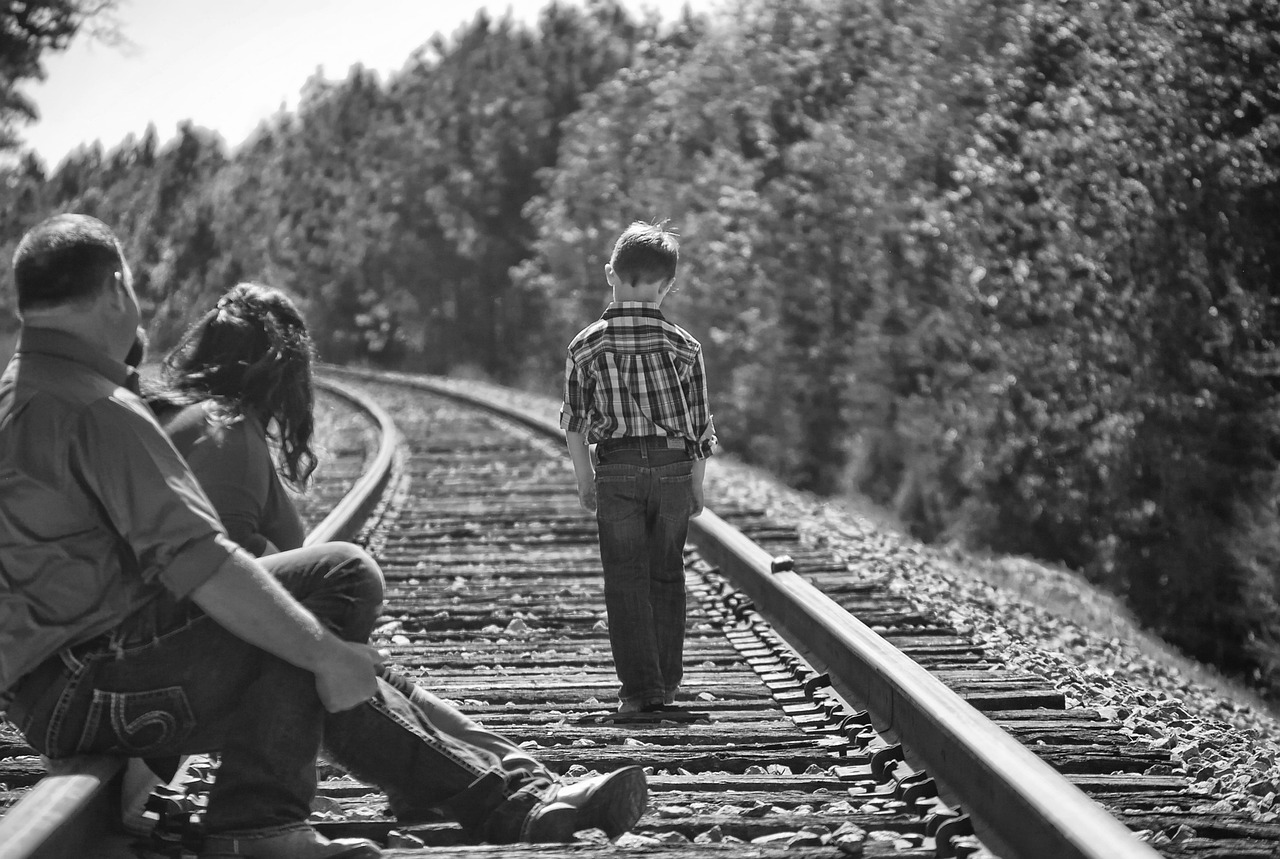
(231, 458)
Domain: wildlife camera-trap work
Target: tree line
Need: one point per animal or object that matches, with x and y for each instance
(1008, 268)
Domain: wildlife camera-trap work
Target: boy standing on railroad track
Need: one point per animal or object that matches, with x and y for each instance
(635, 386)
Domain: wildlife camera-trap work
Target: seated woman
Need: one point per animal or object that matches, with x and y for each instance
(240, 382)
(243, 369)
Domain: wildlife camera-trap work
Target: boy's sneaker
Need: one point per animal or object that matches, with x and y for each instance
(648, 714)
(639, 706)
(676, 713)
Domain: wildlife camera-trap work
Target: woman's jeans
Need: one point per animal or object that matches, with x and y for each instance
(644, 496)
(171, 681)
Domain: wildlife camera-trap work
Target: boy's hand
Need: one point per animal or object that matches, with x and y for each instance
(587, 494)
(580, 453)
(699, 472)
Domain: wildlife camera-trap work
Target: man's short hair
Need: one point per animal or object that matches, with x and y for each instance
(64, 259)
(645, 253)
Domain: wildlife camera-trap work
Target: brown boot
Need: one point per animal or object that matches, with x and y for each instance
(612, 802)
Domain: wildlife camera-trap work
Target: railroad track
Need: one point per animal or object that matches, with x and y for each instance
(494, 600)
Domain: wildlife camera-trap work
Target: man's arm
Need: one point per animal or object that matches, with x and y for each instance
(582, 468)
(251, 604)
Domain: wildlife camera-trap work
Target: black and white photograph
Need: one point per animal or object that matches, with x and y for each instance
(640, 429)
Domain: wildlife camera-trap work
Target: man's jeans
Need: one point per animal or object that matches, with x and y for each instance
(644, 496)
(171, 681)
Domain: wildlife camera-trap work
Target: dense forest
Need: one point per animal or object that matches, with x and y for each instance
(1008, 268)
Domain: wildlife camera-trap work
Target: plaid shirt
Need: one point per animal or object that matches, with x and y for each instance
(633, 373)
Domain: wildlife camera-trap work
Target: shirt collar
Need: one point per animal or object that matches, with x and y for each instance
(632, 308)
(60, 344)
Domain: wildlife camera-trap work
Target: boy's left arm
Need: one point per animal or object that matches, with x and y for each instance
(580, 453)
(699, 469)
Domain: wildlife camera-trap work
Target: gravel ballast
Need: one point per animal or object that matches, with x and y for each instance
(1219, 735)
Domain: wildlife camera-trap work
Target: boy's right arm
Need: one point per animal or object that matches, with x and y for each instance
(580, 453)
(699, 501)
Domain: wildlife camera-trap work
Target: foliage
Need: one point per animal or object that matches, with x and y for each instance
(1006, 265)
(28, 30)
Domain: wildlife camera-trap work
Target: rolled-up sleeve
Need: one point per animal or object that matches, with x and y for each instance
(574, 413)
(149, 496)
(700, 410)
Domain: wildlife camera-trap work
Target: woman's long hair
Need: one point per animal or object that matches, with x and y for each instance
(252, 354)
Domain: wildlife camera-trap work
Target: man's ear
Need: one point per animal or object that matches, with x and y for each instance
(113, 288)
(611, 276)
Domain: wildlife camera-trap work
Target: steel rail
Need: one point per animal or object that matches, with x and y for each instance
(1020, 805)
(346, 517)
(69, 810)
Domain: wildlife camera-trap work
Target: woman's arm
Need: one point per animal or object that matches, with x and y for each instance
(230, 458)
(233, 464)
(281, 525)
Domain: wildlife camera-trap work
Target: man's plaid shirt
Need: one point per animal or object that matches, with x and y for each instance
(633, 373)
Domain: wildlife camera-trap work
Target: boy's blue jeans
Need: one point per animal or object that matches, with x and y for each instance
(644, 496)
(171, 681)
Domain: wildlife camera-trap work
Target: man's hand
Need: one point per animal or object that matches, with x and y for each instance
(349, 677)
(698, 503)
(251, 604)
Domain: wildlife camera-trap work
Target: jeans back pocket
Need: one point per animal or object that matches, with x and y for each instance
(138, 724)
(675, 497)
(618, 493)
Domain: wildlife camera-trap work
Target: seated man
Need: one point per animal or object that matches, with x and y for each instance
(130, 623)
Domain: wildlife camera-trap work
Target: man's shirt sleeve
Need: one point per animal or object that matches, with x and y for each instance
(149, 496)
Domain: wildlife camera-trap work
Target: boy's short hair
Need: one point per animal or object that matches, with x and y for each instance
(63, 259)
(645, 253)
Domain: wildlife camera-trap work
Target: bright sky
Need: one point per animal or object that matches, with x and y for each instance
(228, 64)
